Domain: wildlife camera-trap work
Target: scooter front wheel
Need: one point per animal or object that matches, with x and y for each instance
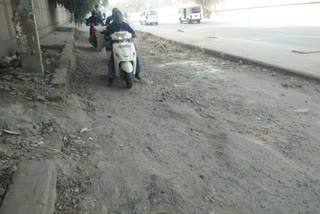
(129, 79)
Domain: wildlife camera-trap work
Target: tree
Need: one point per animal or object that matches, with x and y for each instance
(79, 8)
(206, 6)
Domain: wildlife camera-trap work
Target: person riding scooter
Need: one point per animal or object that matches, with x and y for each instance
(116, 26)
(96, 13)
(109, 19)
(94, 20)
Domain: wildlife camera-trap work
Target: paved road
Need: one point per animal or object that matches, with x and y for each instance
(272, 45)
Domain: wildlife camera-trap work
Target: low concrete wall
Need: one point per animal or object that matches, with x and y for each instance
(8, 43)
(48, 16)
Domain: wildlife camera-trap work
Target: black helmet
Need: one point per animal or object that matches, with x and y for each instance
(117, 17)
(96, 6)
(115, 9)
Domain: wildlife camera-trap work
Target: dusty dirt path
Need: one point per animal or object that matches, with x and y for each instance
(197, 135)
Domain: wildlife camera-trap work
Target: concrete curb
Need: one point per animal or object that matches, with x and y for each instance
(61, 78)
(237, 58)
(34, 185)
(34, 189)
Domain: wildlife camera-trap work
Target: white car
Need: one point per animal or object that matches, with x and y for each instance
(149, 17)
(190, 14)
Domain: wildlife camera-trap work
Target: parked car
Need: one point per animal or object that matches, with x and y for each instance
(149, 17)
(190, 14)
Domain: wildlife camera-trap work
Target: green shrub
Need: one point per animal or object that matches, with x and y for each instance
(79, 8)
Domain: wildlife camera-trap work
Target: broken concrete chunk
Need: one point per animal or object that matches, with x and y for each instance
(33, 189)
(60, 76)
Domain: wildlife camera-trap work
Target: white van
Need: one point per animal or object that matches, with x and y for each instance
(149, 18)
(190, 14)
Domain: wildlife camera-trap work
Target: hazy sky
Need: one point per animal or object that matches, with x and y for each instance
(226, 4)
(113, 2)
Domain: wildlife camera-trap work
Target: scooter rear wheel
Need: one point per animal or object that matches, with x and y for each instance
(129, 79)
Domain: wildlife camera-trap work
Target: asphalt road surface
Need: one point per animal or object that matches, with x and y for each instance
(270, 44)
(295, 36)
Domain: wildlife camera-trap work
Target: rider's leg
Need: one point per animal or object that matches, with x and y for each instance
(109, 50)
(138, 69)
(111, 69)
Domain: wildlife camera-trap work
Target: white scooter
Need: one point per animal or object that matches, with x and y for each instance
(125, 56)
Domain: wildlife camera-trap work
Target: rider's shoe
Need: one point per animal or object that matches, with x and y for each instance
(110, 81)
(138, 76)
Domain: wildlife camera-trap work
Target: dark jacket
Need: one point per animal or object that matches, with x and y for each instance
(115, 27)
(109, 20)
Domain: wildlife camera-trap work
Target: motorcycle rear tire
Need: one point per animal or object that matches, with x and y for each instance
(129, 79)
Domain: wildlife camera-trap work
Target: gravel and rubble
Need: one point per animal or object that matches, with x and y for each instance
(71, 186)
(25, 125)
(50, 57)
(14, 81)
(30, 141)
(199, 134)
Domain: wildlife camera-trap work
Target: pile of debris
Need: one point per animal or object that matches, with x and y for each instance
(7, 62)
(21, 137)
(50, 58)
(24, 141)
(159, 47)
(14, 81)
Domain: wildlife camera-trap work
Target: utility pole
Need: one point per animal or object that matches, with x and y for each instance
(27, 36)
